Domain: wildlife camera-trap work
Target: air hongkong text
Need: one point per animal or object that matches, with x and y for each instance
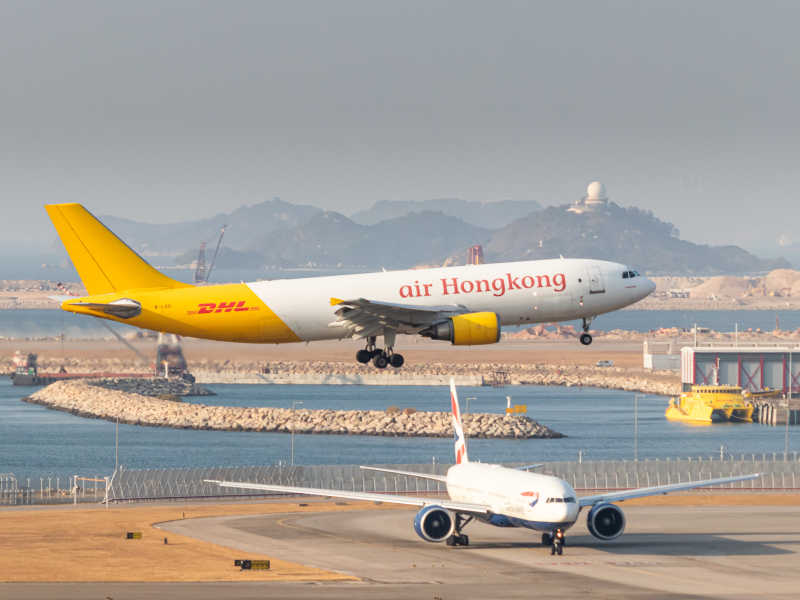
(498, 286)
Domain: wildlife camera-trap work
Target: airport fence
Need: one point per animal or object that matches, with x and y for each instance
(50, 490)
(778, 475)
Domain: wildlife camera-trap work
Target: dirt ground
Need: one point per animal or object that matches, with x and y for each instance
(90, 545)
(624, 354)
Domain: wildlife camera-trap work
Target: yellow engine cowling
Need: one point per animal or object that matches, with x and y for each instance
(472, 329)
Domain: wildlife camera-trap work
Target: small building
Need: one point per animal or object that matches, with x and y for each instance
(594, 200)
(749, 367)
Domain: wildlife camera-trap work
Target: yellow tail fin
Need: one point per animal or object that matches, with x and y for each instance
(104, 262)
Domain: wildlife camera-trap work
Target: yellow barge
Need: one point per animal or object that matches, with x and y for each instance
(708, 403)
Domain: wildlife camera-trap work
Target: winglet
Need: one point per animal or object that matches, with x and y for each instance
(458, 430)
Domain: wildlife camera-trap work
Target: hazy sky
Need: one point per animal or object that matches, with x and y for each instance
(164, 111)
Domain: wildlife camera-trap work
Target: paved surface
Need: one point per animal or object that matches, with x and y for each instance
(666, 552)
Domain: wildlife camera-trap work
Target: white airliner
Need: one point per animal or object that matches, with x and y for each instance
(465, 305)
(501, 497)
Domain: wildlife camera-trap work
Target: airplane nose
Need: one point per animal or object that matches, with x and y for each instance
(650, 286)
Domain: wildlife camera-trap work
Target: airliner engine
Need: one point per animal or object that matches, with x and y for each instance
(605, 521)
(434, 523)
(472, 329)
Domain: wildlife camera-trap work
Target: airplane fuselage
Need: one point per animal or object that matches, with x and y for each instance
(295, 310)
(517, 498)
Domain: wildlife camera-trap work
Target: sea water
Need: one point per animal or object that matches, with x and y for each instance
(36, 442)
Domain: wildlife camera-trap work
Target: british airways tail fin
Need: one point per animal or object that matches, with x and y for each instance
(458, 430)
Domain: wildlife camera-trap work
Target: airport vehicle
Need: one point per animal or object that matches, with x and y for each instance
(463, 305)
(707, 403)
(502, 497)
(605, 363)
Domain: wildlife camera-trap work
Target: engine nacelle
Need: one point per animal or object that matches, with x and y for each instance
(434, 523)
(605, 521)
(472, 329)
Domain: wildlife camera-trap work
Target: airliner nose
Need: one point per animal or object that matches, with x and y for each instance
(649, 286)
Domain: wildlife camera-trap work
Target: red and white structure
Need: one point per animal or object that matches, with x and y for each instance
(753, 368)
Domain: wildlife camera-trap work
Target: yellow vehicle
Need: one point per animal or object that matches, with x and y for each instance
(763, 394)
(708, 403)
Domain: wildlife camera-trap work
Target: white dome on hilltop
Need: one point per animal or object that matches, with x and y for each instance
(596, 191)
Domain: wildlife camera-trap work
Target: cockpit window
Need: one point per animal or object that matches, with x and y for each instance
(625, 275)
(636, 274)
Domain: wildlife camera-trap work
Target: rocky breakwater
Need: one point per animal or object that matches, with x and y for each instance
(151, 386)
(82, 399)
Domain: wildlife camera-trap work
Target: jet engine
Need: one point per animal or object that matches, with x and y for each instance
(434, 523)
(471, 329)
(605, 521)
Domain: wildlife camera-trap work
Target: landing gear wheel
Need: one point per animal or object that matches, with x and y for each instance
(396, 360)
(586, 339)
(559, 549)
(363, 356)
(457, 540)
(380, 361)
(552, 550)
(375, 352)
(547, 539)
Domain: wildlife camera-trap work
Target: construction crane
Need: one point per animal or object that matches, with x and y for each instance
(201, 275)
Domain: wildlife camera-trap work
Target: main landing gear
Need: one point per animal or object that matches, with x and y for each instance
(555, 540)
(586, 339)
(380, 358)
(459, 539)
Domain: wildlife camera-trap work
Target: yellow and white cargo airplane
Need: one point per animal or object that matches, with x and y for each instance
(463, 305)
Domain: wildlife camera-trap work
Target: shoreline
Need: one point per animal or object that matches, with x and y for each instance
(103, 399)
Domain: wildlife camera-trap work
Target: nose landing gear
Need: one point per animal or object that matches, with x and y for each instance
(556, 541)
(586, 339)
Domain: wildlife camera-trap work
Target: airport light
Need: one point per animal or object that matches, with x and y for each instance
(788, 403)
(293, 404)
(636, 427)
(466, 431)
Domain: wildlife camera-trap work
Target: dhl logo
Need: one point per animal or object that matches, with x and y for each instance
(212, 307)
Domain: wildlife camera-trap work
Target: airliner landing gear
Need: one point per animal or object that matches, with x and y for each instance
(586, 339)
(380, 358)
(366, 355)
(555, 540)
(459, 539)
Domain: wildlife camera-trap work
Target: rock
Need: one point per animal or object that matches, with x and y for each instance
(87, 399)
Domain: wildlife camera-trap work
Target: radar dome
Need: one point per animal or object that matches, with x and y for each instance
(596, 190)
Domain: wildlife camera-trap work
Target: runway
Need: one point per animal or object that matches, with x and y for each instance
(729, 552)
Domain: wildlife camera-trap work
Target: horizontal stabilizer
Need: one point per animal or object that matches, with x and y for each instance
(124, 308)
(407, 473)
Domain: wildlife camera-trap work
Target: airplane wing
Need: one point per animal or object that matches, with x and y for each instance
(658, 490)
(407, 473)
(461, 507)
(365, 318)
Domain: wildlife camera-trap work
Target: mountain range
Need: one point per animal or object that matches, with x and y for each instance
(280, 234)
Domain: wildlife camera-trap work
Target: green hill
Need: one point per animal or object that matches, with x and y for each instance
(626, 235)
